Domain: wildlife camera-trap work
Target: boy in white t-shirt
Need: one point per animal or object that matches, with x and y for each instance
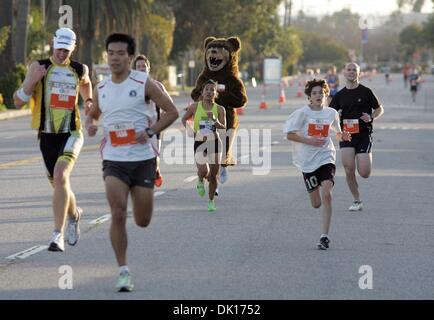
(313, 150)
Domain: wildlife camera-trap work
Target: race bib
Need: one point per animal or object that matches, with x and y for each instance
(206, 127)
(63, 96)
(122, 134)
(318, 128)
(351, 125)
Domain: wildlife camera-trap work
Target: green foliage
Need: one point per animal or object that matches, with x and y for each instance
(38, 35)
(159, 33)
(411, 39)
(4, 35)
(10, 82)
(321, 50)
(428, 32)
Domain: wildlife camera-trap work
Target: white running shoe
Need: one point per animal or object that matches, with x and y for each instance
(356, 206)
(73, 228)
(223, 175)
(57, 243)
(124, 283)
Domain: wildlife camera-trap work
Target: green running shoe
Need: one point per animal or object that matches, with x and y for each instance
(200, 188)
(211, 206)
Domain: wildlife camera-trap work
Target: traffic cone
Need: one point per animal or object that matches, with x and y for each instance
(240, 111)
(263, 104)
(282, 98)
(299, 93)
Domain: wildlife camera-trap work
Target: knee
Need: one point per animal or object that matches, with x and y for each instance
(327, 196)
(316, 204)
(119, 215)
(143, 222)
(212, 178)
(365, 174)
(60, 178)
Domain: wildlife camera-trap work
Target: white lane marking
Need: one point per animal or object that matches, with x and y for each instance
(274, 143)
(27, 253)
(190, 179)
(9, 137)
(101, 219)
(159, 193)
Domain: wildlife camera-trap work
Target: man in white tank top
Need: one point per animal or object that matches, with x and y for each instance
(128, 148)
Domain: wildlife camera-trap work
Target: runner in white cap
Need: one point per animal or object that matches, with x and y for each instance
(51, 88)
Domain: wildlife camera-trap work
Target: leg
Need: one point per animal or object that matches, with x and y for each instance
(348, 161)
(315, 198)
(63, 197)
(230, 138)
(326, 196)
(214, 169)
(143, 205)
(364, 164)
(117, 196)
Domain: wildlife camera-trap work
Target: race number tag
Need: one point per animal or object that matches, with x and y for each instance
(318, 128)
(206, 127)
(63, 96)
(351, 125)
(122, 134)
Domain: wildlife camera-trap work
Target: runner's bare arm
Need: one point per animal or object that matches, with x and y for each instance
(221, 121)
(93, 115)
(191, 110)
(35, 73)
(164, 101)
(86, 89)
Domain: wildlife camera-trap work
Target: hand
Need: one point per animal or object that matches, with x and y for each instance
(211, 116)
(366, 117)
(37, 74)
(221, 88)
(346, 136)
(317, 142)
(141, 137)
(91, 129)
(87, 106)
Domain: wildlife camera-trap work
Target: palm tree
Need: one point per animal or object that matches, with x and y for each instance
(22, 28)
(6, 57)
(98, 18)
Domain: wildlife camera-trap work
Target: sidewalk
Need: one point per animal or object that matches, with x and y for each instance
(10, 114)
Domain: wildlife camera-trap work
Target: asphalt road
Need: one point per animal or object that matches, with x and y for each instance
(261, 243)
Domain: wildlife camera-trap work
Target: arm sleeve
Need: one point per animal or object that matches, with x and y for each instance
(294, 122)
(373, 100)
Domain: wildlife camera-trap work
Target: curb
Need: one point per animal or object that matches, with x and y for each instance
(14, 114)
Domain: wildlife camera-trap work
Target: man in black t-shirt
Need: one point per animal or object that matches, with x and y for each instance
(358, 107)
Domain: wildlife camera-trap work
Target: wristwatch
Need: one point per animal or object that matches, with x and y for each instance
(150, 132)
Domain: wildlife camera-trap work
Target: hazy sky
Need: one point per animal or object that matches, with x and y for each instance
(363, 7)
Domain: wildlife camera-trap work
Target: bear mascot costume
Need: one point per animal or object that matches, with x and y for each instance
(221, 65)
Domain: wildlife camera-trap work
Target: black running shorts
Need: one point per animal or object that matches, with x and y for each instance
(313, 179)
(133, 173)
(362, 144)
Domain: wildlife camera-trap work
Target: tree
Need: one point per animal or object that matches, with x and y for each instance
(411, 39)
(319, 49)
(6, 57)
(428, 32)
(21, 31)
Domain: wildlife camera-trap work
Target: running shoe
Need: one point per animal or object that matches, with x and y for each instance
(124, 283)
(223, 175)
(211, 206)
(216, 193)
(158, 180)
(73, 228)
(200, 188)
(323, 243)
(57, 243)
(356, 206)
